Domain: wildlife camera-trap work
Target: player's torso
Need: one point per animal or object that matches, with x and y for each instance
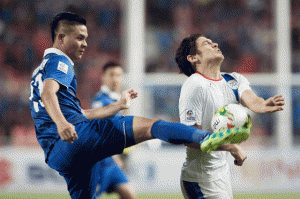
(57, 68)
(212, 96)
(218, 93)
(66, 98)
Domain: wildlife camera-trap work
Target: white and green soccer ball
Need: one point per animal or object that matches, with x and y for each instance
(230, 116)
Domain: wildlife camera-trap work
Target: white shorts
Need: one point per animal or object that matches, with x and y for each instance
(218, 189)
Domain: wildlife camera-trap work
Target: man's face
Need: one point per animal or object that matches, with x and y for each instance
(207, 50)
(74, 43)
(113, 77)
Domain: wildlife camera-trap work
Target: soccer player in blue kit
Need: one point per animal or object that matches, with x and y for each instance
(73, 139)
(112, 178)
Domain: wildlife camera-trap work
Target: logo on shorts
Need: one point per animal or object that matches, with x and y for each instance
(190, 115)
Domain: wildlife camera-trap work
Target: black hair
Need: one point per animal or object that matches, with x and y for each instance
(187, 47)
(69, 18)
(110, 65)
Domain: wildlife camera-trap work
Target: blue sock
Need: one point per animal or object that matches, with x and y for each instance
(177, 133)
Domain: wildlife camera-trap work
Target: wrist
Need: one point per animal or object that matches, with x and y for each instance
(120, 106)
(227, 147)
(233, 148)
(61, 122)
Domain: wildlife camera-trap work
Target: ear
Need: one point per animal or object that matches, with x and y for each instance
(191, 58)
(60, 37)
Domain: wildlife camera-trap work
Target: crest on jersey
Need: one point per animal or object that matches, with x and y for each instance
(233, 84)
(190, 115)
(62, 67)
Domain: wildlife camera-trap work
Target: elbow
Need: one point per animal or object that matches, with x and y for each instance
(44, 96)
(86, 113)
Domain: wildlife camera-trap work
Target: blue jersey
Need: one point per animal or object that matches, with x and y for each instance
(58, 66)
(105, 97)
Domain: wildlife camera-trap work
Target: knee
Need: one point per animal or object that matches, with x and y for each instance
(156, 119)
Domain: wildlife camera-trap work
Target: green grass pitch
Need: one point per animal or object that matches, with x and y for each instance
(149, 196)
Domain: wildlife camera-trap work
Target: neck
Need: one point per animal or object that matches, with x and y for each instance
(61, 48)
(55, 45)
(210, 71)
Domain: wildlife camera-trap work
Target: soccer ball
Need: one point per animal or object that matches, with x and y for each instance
(230, 116)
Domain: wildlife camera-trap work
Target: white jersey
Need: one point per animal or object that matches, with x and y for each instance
(200, 97)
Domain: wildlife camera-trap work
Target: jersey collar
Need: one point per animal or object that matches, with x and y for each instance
(113, 95)
(59, 52)
(210, 78)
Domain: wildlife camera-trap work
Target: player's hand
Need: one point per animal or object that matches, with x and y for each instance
(239, 155)
(127, 98)
(67, 132)
(274, 104)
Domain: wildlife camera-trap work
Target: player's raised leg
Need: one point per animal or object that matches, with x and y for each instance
(176, 133)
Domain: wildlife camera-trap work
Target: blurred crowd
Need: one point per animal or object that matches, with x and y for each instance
(244, 30)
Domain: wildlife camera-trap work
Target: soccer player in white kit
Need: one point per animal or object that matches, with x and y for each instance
(207, 175)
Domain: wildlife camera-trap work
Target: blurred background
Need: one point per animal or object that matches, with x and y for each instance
(254, 39)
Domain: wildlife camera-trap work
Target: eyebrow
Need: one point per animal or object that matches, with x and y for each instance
(207, 40)
(81, 35)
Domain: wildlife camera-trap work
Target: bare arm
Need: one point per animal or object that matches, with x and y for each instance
(103, 112)
(49, 98)
(236, 151)
(258, 105)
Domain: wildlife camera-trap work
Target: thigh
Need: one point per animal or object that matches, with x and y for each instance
(98, 139)
(142, 129)
(191, 190)
(125, 125)
(218, 189)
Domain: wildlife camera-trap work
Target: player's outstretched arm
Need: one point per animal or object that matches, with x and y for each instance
(49, 98)
(259, 105)
(103, 112)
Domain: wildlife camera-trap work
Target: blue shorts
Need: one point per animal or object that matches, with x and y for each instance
(98, 139)
(191, 190)
(110, 176)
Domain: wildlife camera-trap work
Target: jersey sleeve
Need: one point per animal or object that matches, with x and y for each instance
(60, 70)
(244, 84)
(191, 103)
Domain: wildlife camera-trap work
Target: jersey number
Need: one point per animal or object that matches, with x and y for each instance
(37, 81)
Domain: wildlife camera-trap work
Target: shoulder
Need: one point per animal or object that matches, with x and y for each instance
(55, 59)
(98, 100)
(195, 81)
(236, 75)
(59, 63)
(100, 96)
(194, 87)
